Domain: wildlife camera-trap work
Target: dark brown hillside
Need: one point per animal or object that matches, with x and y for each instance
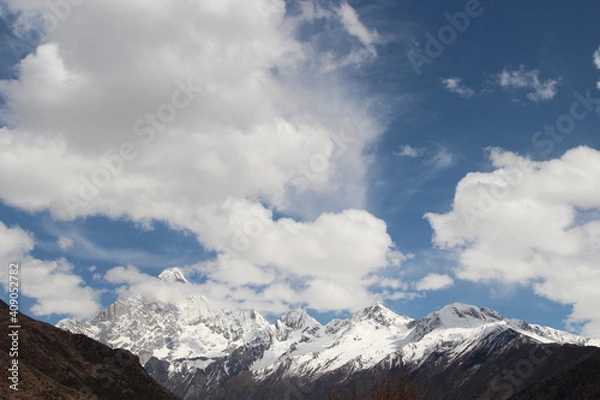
(54, 364)
(576, 380)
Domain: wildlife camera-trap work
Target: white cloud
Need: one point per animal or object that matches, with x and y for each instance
(71, 106)
(434, 282)
(356, 28)
(290, 261)
(523, 79)
(442, 158)
(408, 151)
(531, 223)
(53, 284)
(65, 242)
(454, 85)
(203, 124)
(439, 158)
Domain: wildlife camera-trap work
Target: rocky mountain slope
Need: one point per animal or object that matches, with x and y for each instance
(204, 353)
(54, 364)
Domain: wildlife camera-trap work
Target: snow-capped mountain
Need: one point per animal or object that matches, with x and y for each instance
(194, 349)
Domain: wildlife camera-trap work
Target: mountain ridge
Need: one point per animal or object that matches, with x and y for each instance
(196, 350)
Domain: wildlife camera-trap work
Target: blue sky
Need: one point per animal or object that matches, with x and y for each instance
(300, 155)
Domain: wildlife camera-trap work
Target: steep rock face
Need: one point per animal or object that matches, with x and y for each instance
(296, 321)
(55, 364)
(169, 331)
(132, 324)
(201, 352)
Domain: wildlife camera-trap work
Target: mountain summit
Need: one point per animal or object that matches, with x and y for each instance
(459, 315)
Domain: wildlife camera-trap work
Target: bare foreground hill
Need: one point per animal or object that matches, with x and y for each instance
(55, 364)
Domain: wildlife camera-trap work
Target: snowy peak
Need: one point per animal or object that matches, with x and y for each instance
(299, 319)
(172, 275)
(459, 315)
(296, 321)
(456, 315)
(380, 314)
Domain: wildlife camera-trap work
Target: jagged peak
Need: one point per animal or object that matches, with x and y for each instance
(377, 307)
(298, 318)
(378, 312)
(172, 275)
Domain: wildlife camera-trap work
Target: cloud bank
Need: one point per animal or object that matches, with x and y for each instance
(208, 116)
(53, 284)
(534, 224)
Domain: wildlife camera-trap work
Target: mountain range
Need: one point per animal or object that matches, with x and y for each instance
(458, 352)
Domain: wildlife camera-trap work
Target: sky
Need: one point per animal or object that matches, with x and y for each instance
(317, 153)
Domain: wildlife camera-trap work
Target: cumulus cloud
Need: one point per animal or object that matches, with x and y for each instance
(327, 264)
(522, 79)
(118, 143)
(531, 223)
(434, 282)
(204, 124)
(53, 284)
(454, 85)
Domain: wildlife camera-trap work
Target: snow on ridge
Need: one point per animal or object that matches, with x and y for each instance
(461, 314)
(362, 341)
(192, 334)
(380, 314)
(545, 334)
(298, 318)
